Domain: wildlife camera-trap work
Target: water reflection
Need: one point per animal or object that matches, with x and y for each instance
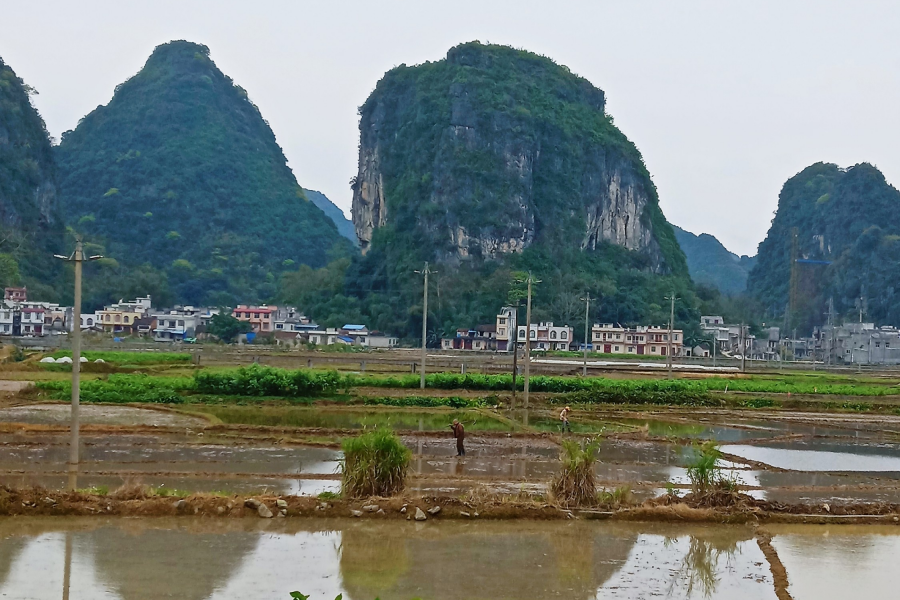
(229, 560)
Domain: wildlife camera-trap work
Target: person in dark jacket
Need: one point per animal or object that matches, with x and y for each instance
(459, 432)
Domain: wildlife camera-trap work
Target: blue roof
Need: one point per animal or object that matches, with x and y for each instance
(344, 338)
(353, 327)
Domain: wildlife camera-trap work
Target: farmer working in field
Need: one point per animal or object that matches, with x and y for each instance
(459, 432)
(564, 417)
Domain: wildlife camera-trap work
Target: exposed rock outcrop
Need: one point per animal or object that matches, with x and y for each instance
(494, 150)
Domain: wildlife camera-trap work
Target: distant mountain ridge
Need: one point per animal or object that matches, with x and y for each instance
(343, 224)
(711, 263)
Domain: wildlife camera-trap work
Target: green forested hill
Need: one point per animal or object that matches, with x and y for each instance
(491, 163)
(849, 217)
(710, 263)
(182, 182)
(31, 228)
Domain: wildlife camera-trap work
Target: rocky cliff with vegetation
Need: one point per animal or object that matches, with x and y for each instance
(710, 263)
(31, 228)
(493, 162)
(848, 245)
(180, 180)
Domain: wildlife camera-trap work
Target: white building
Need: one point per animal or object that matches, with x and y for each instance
(547, 336)
(640, 340)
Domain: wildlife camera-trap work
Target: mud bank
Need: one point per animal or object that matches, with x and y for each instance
(138, 501)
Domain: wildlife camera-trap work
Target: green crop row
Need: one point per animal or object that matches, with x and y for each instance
(257, 380)
(425, 401)
(123, 388)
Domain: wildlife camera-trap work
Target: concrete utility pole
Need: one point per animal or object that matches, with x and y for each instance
(531, 280)
(743, 349)
(426, 271)
(78, 258)
(514, 334)
(671, 298)
(587, 331)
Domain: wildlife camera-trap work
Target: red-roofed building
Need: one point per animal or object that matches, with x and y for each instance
(261, 318)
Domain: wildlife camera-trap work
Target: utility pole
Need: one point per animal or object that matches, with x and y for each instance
(587, 331)
(426, 271)
(77, 257)
(743, 349)
(514, 334)
(671, 298)
(531, 280)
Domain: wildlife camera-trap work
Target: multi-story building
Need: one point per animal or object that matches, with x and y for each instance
(505, 328)
(121, 316)
(546, 336)
(643, 339)
(175, 325)
(15, 294)
(261, 318)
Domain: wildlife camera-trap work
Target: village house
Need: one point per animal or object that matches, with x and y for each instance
(546, 336)
(505, 328)
(121, 317)
(378, 339)
(174, 325)
(261, 318)
(641, 340)
(481, 339)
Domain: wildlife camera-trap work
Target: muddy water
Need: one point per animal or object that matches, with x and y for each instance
(149, 559)
(93, 414)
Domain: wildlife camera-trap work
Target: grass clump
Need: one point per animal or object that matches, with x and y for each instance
(705, 473)
(375, 464)
(575, 485)
(94, 490)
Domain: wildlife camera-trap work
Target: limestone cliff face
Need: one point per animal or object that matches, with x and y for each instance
(494, 150)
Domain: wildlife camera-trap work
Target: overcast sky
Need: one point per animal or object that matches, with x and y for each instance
(725, 100)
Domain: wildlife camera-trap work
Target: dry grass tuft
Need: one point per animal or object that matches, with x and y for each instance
(575, 485)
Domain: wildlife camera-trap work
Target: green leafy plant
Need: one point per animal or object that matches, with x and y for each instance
(703, 471)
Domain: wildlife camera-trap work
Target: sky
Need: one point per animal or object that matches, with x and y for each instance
(725, 100)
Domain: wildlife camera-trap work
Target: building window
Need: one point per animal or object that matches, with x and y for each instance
(652, 348)
(552, 335)
(279, 326)
(502, 320)
(522, 333)
(118, 318)
(126, 319)
(180, 323)
(533, 334)
(564, 335)
(255, 315)
(617, 348)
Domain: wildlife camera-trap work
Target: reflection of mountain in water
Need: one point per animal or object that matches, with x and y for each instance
(9, 550)
(167, 563)
(491, 561)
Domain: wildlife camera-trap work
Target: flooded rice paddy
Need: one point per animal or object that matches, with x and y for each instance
(149, 559)
(789, 457)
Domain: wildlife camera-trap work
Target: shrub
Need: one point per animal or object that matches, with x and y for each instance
(258, 380)
(375, 464)
(574, 485)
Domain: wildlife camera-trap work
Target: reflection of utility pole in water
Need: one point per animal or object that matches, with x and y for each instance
(67, 567)
(419, 446)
